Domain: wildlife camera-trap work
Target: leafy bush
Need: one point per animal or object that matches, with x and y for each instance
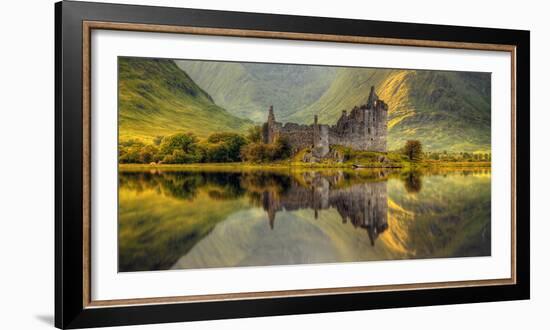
(129, 151)
(224, 147)
(185, 148)
(181, 157)
(148, 154)
(254, 134)
(181, 141)
(254, 152)
(259, 152)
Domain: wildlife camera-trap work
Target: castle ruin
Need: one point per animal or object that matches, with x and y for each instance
(364, 128)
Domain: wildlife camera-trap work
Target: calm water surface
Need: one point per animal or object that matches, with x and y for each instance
(223, 218)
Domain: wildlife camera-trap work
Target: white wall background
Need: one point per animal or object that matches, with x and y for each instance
(27, 169)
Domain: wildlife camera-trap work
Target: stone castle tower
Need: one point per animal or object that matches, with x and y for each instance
(364, 128)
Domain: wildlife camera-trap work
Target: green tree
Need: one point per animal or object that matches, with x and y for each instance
(254, 152)
(158, 140)
(129, 151)
(129, 155)
(413, 150)
(225, 147)
(185, 142)
(282, 148)
(265, 152)
(147, 154)
(254, 134)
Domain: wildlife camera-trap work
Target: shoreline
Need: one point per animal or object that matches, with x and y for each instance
(306, 166)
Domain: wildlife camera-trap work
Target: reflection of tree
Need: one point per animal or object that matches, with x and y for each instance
(412, 181)
(359, 197)
(185, 185)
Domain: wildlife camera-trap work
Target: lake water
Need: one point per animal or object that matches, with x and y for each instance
(228, 218)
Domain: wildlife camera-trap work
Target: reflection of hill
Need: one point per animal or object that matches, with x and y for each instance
(449, 217)
(162, 216)
(356, 198)
(226, 218)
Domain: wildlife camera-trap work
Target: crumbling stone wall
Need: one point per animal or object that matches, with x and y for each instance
(298, 136)
(364, 128)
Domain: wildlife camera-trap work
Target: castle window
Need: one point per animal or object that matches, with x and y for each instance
(368, 129)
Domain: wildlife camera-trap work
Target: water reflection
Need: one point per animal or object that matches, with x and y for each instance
(220, 218)
(363, 204)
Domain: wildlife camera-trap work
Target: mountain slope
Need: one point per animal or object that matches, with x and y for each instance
(158, 98)
(350, 87)
(445, 110)
(248, 89)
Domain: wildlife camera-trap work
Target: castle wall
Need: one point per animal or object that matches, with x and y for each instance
(298, 136)
(364, 128)
(321, 141)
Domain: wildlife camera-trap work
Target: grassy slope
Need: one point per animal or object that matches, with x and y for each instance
(445, 110)
(158, 98)
(248, 89)
(350, 88)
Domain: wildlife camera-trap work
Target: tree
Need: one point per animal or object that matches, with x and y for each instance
(129, 155)
(254, 152)
(158, 140)
(258, 152)
(224, 147)
(413, 150)
(129, 151)
(185, 142)
(148, 154)
(254, 134)
(282, 148)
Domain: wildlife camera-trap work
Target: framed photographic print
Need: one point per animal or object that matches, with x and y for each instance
(214, 164)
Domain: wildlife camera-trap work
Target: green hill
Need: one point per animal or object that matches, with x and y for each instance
(157, 98)
(248, 89)
(445, 110)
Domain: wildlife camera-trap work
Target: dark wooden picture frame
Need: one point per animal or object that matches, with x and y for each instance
(74, 22)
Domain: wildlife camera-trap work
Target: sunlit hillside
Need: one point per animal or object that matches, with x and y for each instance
(158, 98)
(445, 110)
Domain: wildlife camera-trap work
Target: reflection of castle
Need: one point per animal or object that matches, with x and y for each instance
(364, 128)
(363, 204)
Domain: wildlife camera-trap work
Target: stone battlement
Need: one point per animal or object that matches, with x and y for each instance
(364, 128)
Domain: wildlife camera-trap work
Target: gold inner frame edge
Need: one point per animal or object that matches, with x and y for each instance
(88, 26)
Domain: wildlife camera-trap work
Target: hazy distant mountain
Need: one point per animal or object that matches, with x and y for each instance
(248, 89)
(158, 98)
(445, 110)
